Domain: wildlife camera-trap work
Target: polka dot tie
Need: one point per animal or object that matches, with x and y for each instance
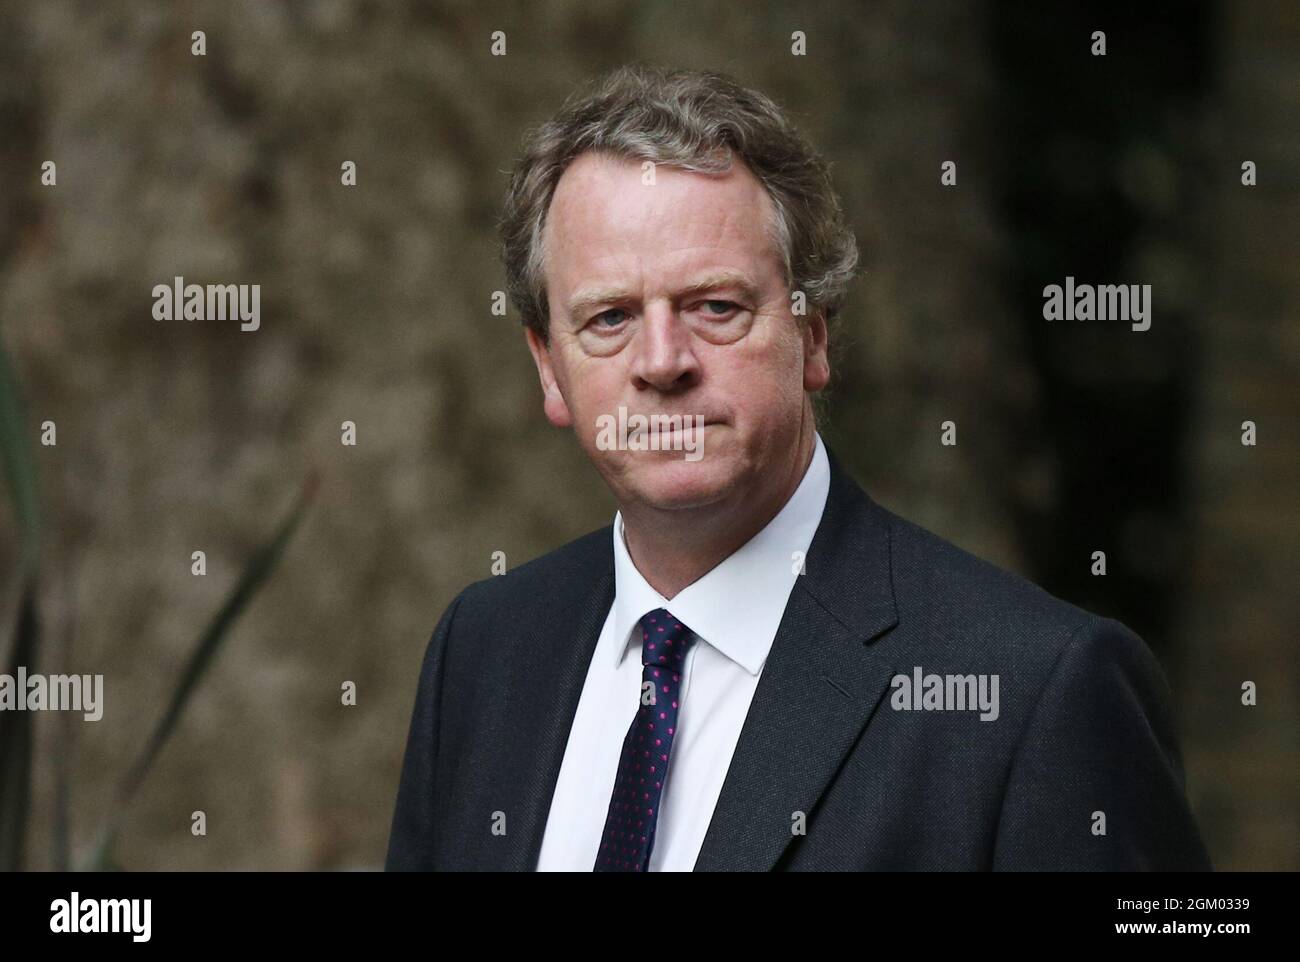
(634, 807)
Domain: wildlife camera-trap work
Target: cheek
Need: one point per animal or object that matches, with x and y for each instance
(774, 365)
(762, 384)
(591, 387)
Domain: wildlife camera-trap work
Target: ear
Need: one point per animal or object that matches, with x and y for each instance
(553, 403)
(816, 362)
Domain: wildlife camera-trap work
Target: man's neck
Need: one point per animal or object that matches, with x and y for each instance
(674, 549)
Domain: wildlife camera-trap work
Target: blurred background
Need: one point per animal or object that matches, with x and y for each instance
(175, 437)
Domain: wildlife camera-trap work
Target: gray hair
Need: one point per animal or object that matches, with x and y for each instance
(692, 120)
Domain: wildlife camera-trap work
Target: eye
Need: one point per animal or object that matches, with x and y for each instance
(719, 308)
(610, 318)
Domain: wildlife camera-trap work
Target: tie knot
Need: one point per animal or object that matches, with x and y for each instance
(664, 639)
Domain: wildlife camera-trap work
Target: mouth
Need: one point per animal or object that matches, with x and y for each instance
(655, 432)
(689, 428)
(669, 422)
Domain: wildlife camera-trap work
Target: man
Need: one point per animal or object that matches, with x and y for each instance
(755, 667)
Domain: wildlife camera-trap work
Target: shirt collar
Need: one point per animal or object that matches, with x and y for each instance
(737, 606)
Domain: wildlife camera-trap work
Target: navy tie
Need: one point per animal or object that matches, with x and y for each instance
(629, 832)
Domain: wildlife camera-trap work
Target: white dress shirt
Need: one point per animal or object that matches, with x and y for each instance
(734, 610)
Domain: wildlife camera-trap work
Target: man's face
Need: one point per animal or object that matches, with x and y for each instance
(669, 299)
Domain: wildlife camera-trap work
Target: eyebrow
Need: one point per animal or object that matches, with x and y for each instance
(589, 297)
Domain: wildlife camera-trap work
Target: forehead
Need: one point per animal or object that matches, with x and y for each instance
(605, 218)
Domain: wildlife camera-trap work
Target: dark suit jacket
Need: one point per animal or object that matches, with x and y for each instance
(1084, 721)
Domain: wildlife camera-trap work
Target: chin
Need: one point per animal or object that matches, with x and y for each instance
(673, 483)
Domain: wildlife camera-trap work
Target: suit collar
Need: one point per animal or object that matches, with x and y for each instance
(849, 568)
(551, 662)
(824, 680)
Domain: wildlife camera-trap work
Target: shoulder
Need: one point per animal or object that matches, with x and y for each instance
(968, 607)
(932, 573)
(1062, 669)
(536, 588)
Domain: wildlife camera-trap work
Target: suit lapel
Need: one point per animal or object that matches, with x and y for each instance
(821, 684)
(554, 666)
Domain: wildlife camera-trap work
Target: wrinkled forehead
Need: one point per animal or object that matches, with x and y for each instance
(607, 207)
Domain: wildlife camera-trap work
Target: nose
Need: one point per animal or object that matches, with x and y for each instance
(665, 359)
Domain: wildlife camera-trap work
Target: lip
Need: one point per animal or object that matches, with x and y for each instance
(691, 427)
(687, 420)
